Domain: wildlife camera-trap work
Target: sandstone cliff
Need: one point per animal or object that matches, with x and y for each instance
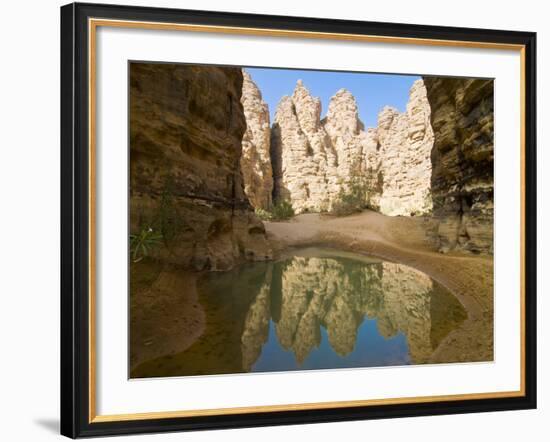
(256, 160)
(404, 143)
(462, 158)
(186, 128)
(315, 160)
(300, 158)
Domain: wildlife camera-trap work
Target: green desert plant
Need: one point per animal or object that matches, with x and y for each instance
(351, 198)
(282, 210)
(264, 215)
(142, 243)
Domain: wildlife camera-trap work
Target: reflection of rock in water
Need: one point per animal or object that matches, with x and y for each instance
(337, 295)
(407, 295)
(256, 325)
(315, 292)
(295, 300)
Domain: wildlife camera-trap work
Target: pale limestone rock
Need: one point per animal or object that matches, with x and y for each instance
(404, 144)
(347, 140)
(298, 151)
(255, 159)
(315, 160)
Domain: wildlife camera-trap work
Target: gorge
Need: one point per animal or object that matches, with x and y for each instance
(217, 283)
(404, 166)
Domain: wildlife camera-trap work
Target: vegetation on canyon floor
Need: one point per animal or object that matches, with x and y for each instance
(352, 198)
(281, 211)
(348, 203)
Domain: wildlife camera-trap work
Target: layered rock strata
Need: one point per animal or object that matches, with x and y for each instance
(186, 128)
(256, 160)
(462, 157)
(316, 161)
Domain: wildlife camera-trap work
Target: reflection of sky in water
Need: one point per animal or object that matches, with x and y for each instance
(371, 349)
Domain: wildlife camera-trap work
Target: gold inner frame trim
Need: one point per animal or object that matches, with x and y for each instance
(93, 24)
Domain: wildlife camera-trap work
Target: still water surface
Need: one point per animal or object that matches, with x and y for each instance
(314, 309)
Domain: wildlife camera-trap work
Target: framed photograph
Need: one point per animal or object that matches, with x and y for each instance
(275, 220)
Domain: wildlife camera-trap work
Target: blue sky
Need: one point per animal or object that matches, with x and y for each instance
(372, 91)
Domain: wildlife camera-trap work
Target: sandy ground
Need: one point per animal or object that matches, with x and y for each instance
(405, 240)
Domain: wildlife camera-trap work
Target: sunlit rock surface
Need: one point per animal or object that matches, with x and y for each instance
(404, 143)
(315, 160)
(255, 159)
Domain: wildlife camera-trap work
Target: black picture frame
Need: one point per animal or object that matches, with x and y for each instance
(75, 220)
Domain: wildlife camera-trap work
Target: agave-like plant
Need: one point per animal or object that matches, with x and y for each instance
(142, 243)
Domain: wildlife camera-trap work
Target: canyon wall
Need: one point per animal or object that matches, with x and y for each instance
(462, 158)
(436, 158)
(316, 161)
(186, 129)
(203, 156)
(256, 160)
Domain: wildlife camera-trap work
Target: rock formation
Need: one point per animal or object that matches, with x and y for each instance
(256, 160)
(203, 156)
(403, 144)
(302, 162)
(186, 128)
(314, 161)
(462, 158)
